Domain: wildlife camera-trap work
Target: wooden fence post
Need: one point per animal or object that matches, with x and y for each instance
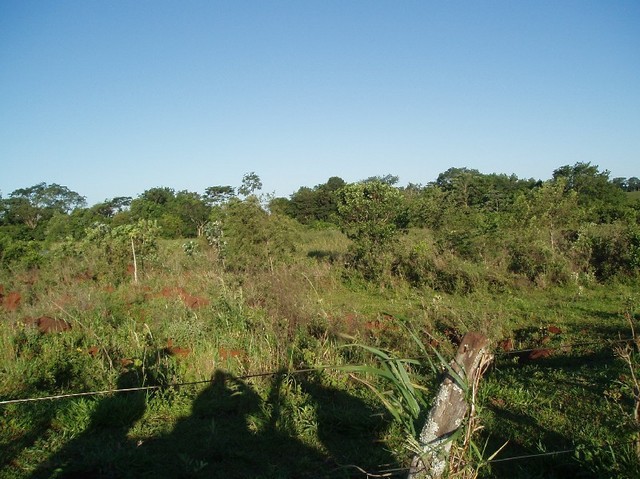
(449, 409)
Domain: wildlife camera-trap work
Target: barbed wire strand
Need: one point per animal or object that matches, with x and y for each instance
(379, 474)
(403, 470)
(531, 456)
(273, 373)
(167, 386)
(606, 342)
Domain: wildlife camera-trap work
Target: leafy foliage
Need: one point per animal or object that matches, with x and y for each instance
(370, 213)
(249, 238)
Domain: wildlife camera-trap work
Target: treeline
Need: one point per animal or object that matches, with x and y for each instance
(464, 224)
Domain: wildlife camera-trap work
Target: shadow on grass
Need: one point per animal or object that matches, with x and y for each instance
(325, 255)
(233, 433)
(102, 448)
(554, 404)
(561, 465)
(299, 430)
(37, 416)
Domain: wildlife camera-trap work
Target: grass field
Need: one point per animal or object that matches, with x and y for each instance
(189, 320)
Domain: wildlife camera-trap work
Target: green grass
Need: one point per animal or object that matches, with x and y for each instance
(297, 315)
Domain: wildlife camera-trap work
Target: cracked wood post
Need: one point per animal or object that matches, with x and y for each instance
(449, 410)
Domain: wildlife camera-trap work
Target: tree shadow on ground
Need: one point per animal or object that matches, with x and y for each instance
(232, 432)
(103, 449)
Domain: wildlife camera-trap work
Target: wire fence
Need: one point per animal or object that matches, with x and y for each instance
(390, 472)
(497, 353)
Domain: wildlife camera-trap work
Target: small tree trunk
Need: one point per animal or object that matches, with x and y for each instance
(135, 263)
(449, 409)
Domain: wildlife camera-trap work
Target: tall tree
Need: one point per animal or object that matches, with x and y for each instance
(193, 210)
(250, 184)
(605, 199)
(316, 204)
(218, 195)
(38, 203)
(633, 184)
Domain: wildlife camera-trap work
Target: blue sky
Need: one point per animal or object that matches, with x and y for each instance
(110, 98)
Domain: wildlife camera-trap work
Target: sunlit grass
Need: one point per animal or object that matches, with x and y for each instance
(293, 315)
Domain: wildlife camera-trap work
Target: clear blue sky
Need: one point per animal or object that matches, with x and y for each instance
(110, 98)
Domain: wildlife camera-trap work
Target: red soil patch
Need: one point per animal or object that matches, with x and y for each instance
(385, 324)
(554, 330)
(349, 323)
(47, 325)
(176, 351)
(85, 276)
(506, 345)
(375, 325)
(190, 301)
(11, 301)
(453, 335)
(194, 302)
(225, 353)
(536, 354)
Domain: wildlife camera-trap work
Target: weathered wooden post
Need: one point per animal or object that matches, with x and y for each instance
(450, 408)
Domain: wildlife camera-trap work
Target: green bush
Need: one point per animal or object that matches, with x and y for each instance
(249, 239)
(422, 265)
(370, 214)
(538, 262)
(610, 250)
(27, 254)
(108, 251)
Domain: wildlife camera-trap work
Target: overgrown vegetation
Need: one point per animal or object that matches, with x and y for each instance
(208, 289)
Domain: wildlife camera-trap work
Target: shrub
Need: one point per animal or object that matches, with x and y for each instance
(13, 251)
(249, 239)
(422, 265)
(51, 363)
(610, 250)
(108, 250)
(370, 213)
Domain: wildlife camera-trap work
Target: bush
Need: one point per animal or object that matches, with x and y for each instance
(250, 239)
(51, 363)
(370, 213)
(107, 251)
(539, 263)
(422, 265)
(610, 250)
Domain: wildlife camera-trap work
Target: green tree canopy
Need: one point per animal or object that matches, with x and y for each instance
(251, 183)
(369, 212)
(217, 195)
(604, 198)
(32, 207)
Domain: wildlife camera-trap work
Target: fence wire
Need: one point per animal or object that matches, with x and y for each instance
(497, 353)
(382, 473)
